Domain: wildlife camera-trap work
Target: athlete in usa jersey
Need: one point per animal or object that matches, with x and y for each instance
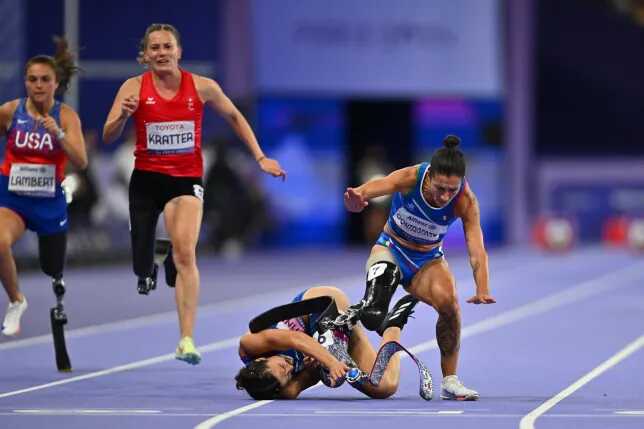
(29, 142)
(427, 198)
(167, 105)
(42, 134)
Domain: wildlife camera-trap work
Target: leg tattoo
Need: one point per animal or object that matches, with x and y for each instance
(448, 333)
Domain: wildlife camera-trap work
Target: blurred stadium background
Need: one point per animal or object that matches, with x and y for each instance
(546, 95)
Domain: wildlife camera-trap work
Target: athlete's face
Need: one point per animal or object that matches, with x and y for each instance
(40, 83)
(162, 52)
(442, 189)
(281, 368)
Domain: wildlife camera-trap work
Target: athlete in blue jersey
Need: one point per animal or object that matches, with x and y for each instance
(427, 199)
(282, 362)
(42, 134)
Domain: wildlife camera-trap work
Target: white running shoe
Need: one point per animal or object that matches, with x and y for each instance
(11, 324)
(452, 389)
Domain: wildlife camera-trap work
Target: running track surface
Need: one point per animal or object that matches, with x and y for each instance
(562, 348)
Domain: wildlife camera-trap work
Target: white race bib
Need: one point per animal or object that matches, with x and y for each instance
(417, 227)
(35, 180)
(170, 137)
(326, 339)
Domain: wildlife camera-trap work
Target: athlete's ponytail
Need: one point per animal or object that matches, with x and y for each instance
(65, 65)
(448, 160)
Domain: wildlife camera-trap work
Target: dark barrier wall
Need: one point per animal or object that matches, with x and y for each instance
(589, 92)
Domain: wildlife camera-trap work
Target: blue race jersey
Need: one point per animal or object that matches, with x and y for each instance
(412, 218)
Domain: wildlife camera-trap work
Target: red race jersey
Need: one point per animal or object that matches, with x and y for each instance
(168, 132)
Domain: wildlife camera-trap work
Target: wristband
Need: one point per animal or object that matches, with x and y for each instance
(261, 158)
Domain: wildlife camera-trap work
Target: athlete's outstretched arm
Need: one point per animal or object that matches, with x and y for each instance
(125, 104)
(212, 94)
(356, 199)
(467, 207)
(270, 340)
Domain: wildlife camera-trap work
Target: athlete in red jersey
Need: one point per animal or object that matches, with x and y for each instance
(167, 104)
(41, 134)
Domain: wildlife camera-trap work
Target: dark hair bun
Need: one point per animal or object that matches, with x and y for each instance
(451, 141)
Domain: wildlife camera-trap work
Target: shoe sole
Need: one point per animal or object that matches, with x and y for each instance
(459, 398)
(190, 358)
(11, 335)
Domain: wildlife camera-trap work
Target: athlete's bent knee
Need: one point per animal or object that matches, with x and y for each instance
(383, 278)
(5, 246)
(384, 391)
(184, 256)
(445, 301)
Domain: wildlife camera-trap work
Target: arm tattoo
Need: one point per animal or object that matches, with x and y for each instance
(475, 266)
(475, 205)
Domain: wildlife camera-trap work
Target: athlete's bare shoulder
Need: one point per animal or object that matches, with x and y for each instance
(208, 89)
(131, 87)
(133, 82)
(467, 202)
(68, 111)
(10, 106)
(204, 83)
(6, 113)
(202, 80)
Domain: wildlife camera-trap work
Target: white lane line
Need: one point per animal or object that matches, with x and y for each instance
(85, 411)
(218, 345)
(225, 416)
(386, 413)
(630, 412)
(527, 422)
(588, 288)
(470, 414)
